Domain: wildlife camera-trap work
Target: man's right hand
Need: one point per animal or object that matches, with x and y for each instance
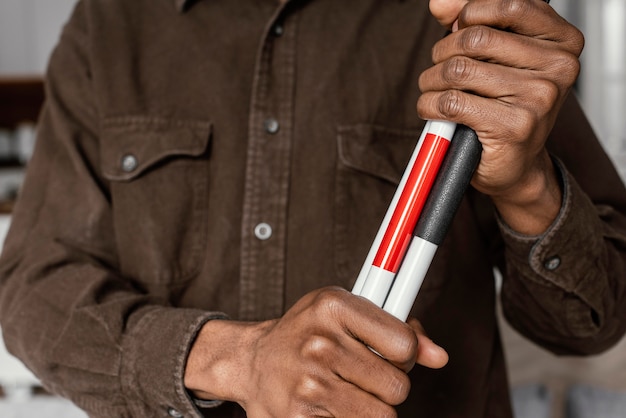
(315, 361)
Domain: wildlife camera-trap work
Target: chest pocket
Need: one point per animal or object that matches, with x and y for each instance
(158, 173)
(371, 161)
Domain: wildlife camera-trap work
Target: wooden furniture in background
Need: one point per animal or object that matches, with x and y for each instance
(20, 101)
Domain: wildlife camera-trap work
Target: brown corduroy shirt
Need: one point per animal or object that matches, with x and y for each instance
(207, 158)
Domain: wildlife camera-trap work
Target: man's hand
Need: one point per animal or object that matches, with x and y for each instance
(505, 72)
(314, 361)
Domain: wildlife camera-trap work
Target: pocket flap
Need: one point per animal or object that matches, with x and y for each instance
(131, 145)
(376, 150)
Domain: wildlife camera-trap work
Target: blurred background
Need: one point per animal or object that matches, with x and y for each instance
(543, 385)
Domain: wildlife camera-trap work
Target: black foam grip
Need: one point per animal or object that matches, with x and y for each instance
(452, 180)
(447, 192)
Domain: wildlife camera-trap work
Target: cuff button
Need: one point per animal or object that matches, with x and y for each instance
(174, 413)
(552, 263)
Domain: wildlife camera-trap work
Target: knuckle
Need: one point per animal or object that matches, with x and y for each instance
(514, 9)
(450, 103)
(422, 107)
(309, 388)
(566, 66)
(405, 343)
(398, 389)
(329, 301)
(457, 70)
(318, 347)
(386, 411)
(522, 125)
(422, 81)
(546, 93)
(475, 38)
(574, 40)
(407, 346)
(577, 39)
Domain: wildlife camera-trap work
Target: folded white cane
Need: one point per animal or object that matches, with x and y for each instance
(420, 213)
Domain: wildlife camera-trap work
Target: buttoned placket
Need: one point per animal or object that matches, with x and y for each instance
(262, 280)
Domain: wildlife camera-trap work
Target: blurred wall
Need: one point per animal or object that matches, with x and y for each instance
(602, 83)
(29, 29)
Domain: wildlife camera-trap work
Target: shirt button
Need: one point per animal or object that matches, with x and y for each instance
(271, 126)
(552, 263)
(174, 413)
(129, 163)
(263, 231)
(278, 30)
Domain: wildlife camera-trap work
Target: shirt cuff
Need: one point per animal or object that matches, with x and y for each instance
(574, 232)
(566, 256)
(154, 361)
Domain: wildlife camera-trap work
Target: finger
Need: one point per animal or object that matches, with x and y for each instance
(362, 367)
(384, 333)
(366, 322)
(493, 120)
(533, 18)
(508, 49)
(350, 401)
(446, 11)
(508, 85)
(496, 121)
(429, 354)
(334, 397)
(502, 132)
(476, 77)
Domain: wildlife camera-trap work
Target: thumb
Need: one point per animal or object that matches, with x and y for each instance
(446, 11)
(429, 354)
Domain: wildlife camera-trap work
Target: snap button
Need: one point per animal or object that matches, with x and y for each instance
(174, 413)
(552, 263)
(263, 231)
(271, 126)
(277, 30)
(129, 163)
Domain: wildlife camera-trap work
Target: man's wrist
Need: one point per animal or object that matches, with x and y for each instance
(533, 207)
(218, 362)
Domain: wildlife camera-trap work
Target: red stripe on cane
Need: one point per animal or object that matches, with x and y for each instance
(412, 199)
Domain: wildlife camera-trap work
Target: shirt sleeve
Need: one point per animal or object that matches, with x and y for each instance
(566, 288)
(87, 332)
